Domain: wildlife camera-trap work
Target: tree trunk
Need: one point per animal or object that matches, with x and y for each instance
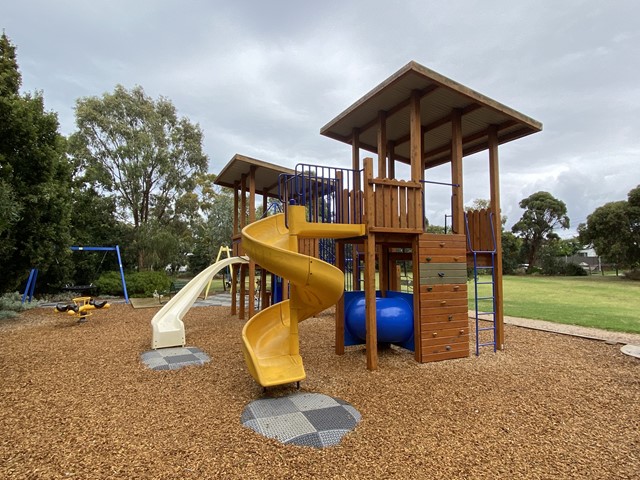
(140, 260)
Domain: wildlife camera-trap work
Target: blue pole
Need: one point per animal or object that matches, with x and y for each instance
(108, 249)
(31, 285)
(124, 283)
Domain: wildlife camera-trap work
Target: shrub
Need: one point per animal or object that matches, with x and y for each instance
(11, 304)
(633, 274)
(110, 283)
(573, 270)
(558, 266)
(139, 284)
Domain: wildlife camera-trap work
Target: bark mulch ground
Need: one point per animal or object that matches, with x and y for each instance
(76, 402)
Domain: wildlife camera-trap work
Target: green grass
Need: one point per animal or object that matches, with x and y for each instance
(610, 303)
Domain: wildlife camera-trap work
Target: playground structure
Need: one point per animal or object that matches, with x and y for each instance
(366, 220)
(416, 117)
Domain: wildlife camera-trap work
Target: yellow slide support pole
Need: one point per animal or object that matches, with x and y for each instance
(222, 249)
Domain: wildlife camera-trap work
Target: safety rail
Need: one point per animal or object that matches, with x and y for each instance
(330, 194)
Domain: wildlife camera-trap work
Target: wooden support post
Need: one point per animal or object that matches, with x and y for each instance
(392, 163)
(494, 179)
(252, 218)
(417, 318)
(235, 269)
(243, 290)
(416, 149)
(457, 199)
(370, 301)
(264, 299)
(236, 211)
(382, 144)
(384, 271)
(370, 269)
(243, 201)
(415, 137)
(355, 149)
(356, 206)
(243, 268)
(340, 304)
(234, 289)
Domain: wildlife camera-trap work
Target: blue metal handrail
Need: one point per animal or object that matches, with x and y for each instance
(320, 189)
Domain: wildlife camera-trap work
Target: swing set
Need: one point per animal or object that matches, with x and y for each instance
(33, 274)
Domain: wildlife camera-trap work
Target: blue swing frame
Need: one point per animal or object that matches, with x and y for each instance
(33, 275)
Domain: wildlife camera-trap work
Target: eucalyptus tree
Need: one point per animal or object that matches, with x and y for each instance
(543, 213)
(139, 151)
(614, 230)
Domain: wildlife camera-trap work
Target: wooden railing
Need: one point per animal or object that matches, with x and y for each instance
(391, 205)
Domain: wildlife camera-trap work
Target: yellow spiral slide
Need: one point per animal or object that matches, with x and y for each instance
(270, 338)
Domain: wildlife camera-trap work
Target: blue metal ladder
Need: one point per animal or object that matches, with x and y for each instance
(492, 297)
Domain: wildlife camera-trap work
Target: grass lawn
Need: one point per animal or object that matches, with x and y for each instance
(610, 303)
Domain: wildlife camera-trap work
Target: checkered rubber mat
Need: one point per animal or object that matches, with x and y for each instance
(305, 419)
(174, 358)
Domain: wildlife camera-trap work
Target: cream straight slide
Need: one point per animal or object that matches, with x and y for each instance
(167, 325)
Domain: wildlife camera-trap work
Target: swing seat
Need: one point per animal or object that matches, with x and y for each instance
(78, 288)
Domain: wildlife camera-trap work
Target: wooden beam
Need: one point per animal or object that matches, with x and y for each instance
(457, 200)
(417, 321)
(440, 122)
(399, 107)
(415, 131)
(243, 201)
(252, 219)
(236, 211)
(392, 163)
(382, 144)
(383, 269)
(243, 290)
(444, 152)
(235, 269)
(370, 302)
(355, 149)
(340, 305)
(416, 217)
(494, 179)
(370, 268)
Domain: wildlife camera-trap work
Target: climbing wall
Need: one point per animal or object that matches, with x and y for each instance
(444, 322)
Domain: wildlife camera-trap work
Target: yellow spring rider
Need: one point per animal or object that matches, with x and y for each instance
(81, 307)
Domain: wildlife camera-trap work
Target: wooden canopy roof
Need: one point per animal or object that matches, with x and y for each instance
(266, 174)
(439, 97)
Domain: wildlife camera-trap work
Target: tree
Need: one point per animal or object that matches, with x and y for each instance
(484, 204)
(139, 151)
(614, 230)
(35, 183)
(543, 213)
(511, 252)
(214, 232)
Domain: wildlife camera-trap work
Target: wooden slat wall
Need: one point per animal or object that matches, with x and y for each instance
(480, 230)
(444, 322)
(395, 205)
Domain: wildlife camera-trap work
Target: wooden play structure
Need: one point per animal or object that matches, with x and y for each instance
(415, 120)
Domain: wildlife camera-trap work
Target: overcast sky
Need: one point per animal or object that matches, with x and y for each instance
(262, 77)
